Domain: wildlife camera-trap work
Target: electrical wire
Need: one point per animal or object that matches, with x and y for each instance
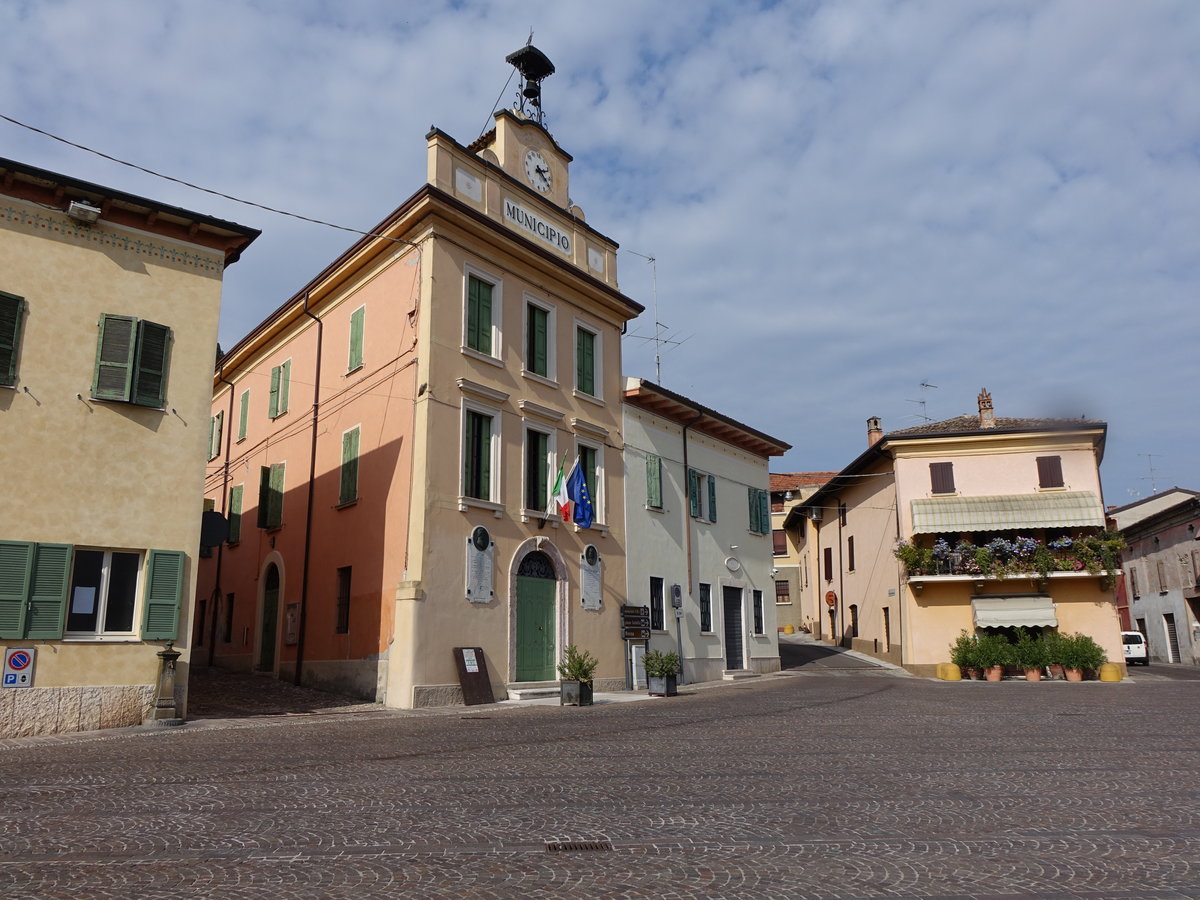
(196, 187)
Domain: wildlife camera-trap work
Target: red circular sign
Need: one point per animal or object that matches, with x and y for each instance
(830, 597)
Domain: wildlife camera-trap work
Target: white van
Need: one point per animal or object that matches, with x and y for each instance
(1136, 650)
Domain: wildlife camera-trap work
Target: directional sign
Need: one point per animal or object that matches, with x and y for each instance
(18, 667)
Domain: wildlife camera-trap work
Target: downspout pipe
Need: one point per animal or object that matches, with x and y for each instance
(687, 526)
(217, 593)
(312, 483)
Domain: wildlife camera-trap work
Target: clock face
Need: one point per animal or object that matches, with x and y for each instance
(538, 171)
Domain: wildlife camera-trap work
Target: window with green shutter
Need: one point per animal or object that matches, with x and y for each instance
(760, 510)
(477, 456)
(654, 481)
(694, 493)
(235, 513)
(355, 358)
(243, 415)
(270, 496)
(12, 311)
(585, 361)
(348, 490)
(281, 378)
(712, 499)
(537, 340)
(132, 359)
(479, 315)
(48, 593)
(215, 426)
(164, 590)
(16, 572)
(537, 488)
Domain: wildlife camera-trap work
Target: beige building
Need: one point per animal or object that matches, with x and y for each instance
(794, 589)
(976, 497)
(385, 443)
(108, 324)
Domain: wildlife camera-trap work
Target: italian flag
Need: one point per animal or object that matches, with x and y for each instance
(559, 499)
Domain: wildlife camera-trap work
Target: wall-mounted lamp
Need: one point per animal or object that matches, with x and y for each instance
(83, 212)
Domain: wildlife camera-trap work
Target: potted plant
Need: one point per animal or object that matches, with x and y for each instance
(994, 653)
(964, 653)
(576, 671)
(1029, 654)
(1055, 644)
(1080, 654)
(661, 669)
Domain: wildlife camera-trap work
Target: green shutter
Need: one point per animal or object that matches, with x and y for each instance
(479, 315)
(243, 415)
(653, 481)
(712, 499)
(477, 469)
(153, 355)
(12, 309)
(537, 352)
(275, 506)
(285, 385)
(115, 353)
(585, 361)
(356, 339)
(694, 492)
(349, 487)
(764, 512)
(753, 509)
(273, 405)
(16, 571)
(48, 592)
(235, 514)
(164, 590)
(216, 425)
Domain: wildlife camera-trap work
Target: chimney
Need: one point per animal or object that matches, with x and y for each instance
(874, 431)
(987, 418)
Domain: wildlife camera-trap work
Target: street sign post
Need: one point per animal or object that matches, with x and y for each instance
(18, 667)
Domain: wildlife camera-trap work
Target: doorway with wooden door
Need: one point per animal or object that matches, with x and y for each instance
(536, 618)
(268, 635)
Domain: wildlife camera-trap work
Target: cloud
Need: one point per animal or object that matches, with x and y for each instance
(844, 199)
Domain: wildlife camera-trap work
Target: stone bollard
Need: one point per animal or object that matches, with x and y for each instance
(164, 713)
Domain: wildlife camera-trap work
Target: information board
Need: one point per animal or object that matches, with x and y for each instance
(473, 676)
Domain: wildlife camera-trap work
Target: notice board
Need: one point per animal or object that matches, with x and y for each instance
(473, 675)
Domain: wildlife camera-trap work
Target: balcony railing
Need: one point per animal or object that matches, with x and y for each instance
(1097, 554)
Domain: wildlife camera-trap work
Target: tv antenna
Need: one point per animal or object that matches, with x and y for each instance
(1152, 477)
(925, 386)
(659, 340)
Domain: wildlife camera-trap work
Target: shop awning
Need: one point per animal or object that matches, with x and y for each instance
(1002, 612)
(1007, 512)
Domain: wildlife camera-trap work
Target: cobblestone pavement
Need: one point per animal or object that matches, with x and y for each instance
(831, 784)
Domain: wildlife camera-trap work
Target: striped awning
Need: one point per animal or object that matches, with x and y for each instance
(1025, 609)
(1006, 512)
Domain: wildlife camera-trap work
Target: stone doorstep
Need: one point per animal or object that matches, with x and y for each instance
(532, 690)
(737, 674)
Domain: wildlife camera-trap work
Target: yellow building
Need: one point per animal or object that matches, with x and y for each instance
(970, 500)
(108, 324)
(386, 441)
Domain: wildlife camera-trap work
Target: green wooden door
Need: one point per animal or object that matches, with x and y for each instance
(270, 622)
(535, 628)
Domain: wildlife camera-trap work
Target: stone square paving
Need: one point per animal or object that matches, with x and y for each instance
(832, 784)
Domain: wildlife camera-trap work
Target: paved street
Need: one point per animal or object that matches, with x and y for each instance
(833, 783)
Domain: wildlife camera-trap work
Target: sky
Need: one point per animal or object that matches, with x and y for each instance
(855, 208)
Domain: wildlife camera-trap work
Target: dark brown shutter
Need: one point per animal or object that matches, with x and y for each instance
(829, 564)
(1050, 471)
(941, 477)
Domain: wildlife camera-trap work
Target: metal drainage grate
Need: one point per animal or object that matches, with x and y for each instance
(572, 846)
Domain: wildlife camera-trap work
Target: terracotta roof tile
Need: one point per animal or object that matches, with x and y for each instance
(788, 481)
(970, 425)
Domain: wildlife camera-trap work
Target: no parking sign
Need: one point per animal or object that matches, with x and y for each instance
(18, 667)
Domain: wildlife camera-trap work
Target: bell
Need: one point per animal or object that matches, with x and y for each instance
(532, 90)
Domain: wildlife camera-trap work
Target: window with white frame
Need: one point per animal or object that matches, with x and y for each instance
(538, 465)
(706, 618)
(481, 314)
(591, 460)
(480, 453)
(702, 495)
(104, 592)
(588, 368)
(759, 619)
(657, 606)
(539, 339)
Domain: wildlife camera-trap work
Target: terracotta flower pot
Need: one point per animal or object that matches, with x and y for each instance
(995, 673)
(1056, 670)
(1033, 674)
(972, 673)
(1074, 674)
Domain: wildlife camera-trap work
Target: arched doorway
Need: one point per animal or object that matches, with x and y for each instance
(269, 631)
(537, 594)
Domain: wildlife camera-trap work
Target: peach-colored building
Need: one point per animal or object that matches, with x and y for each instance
(384, 444)
(794, 589)
(1010, 484)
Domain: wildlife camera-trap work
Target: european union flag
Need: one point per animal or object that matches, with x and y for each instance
(580, 496)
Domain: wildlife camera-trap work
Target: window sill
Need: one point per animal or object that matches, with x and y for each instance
(783, 602)
(947, 494)
(655, 509)
(347, 504)
(350, 372)
(101, 639)
(161, 409)
(553, 519)
(596, 526)
(588, 397)
(482, 357)
(466, 503)
(540, 379)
